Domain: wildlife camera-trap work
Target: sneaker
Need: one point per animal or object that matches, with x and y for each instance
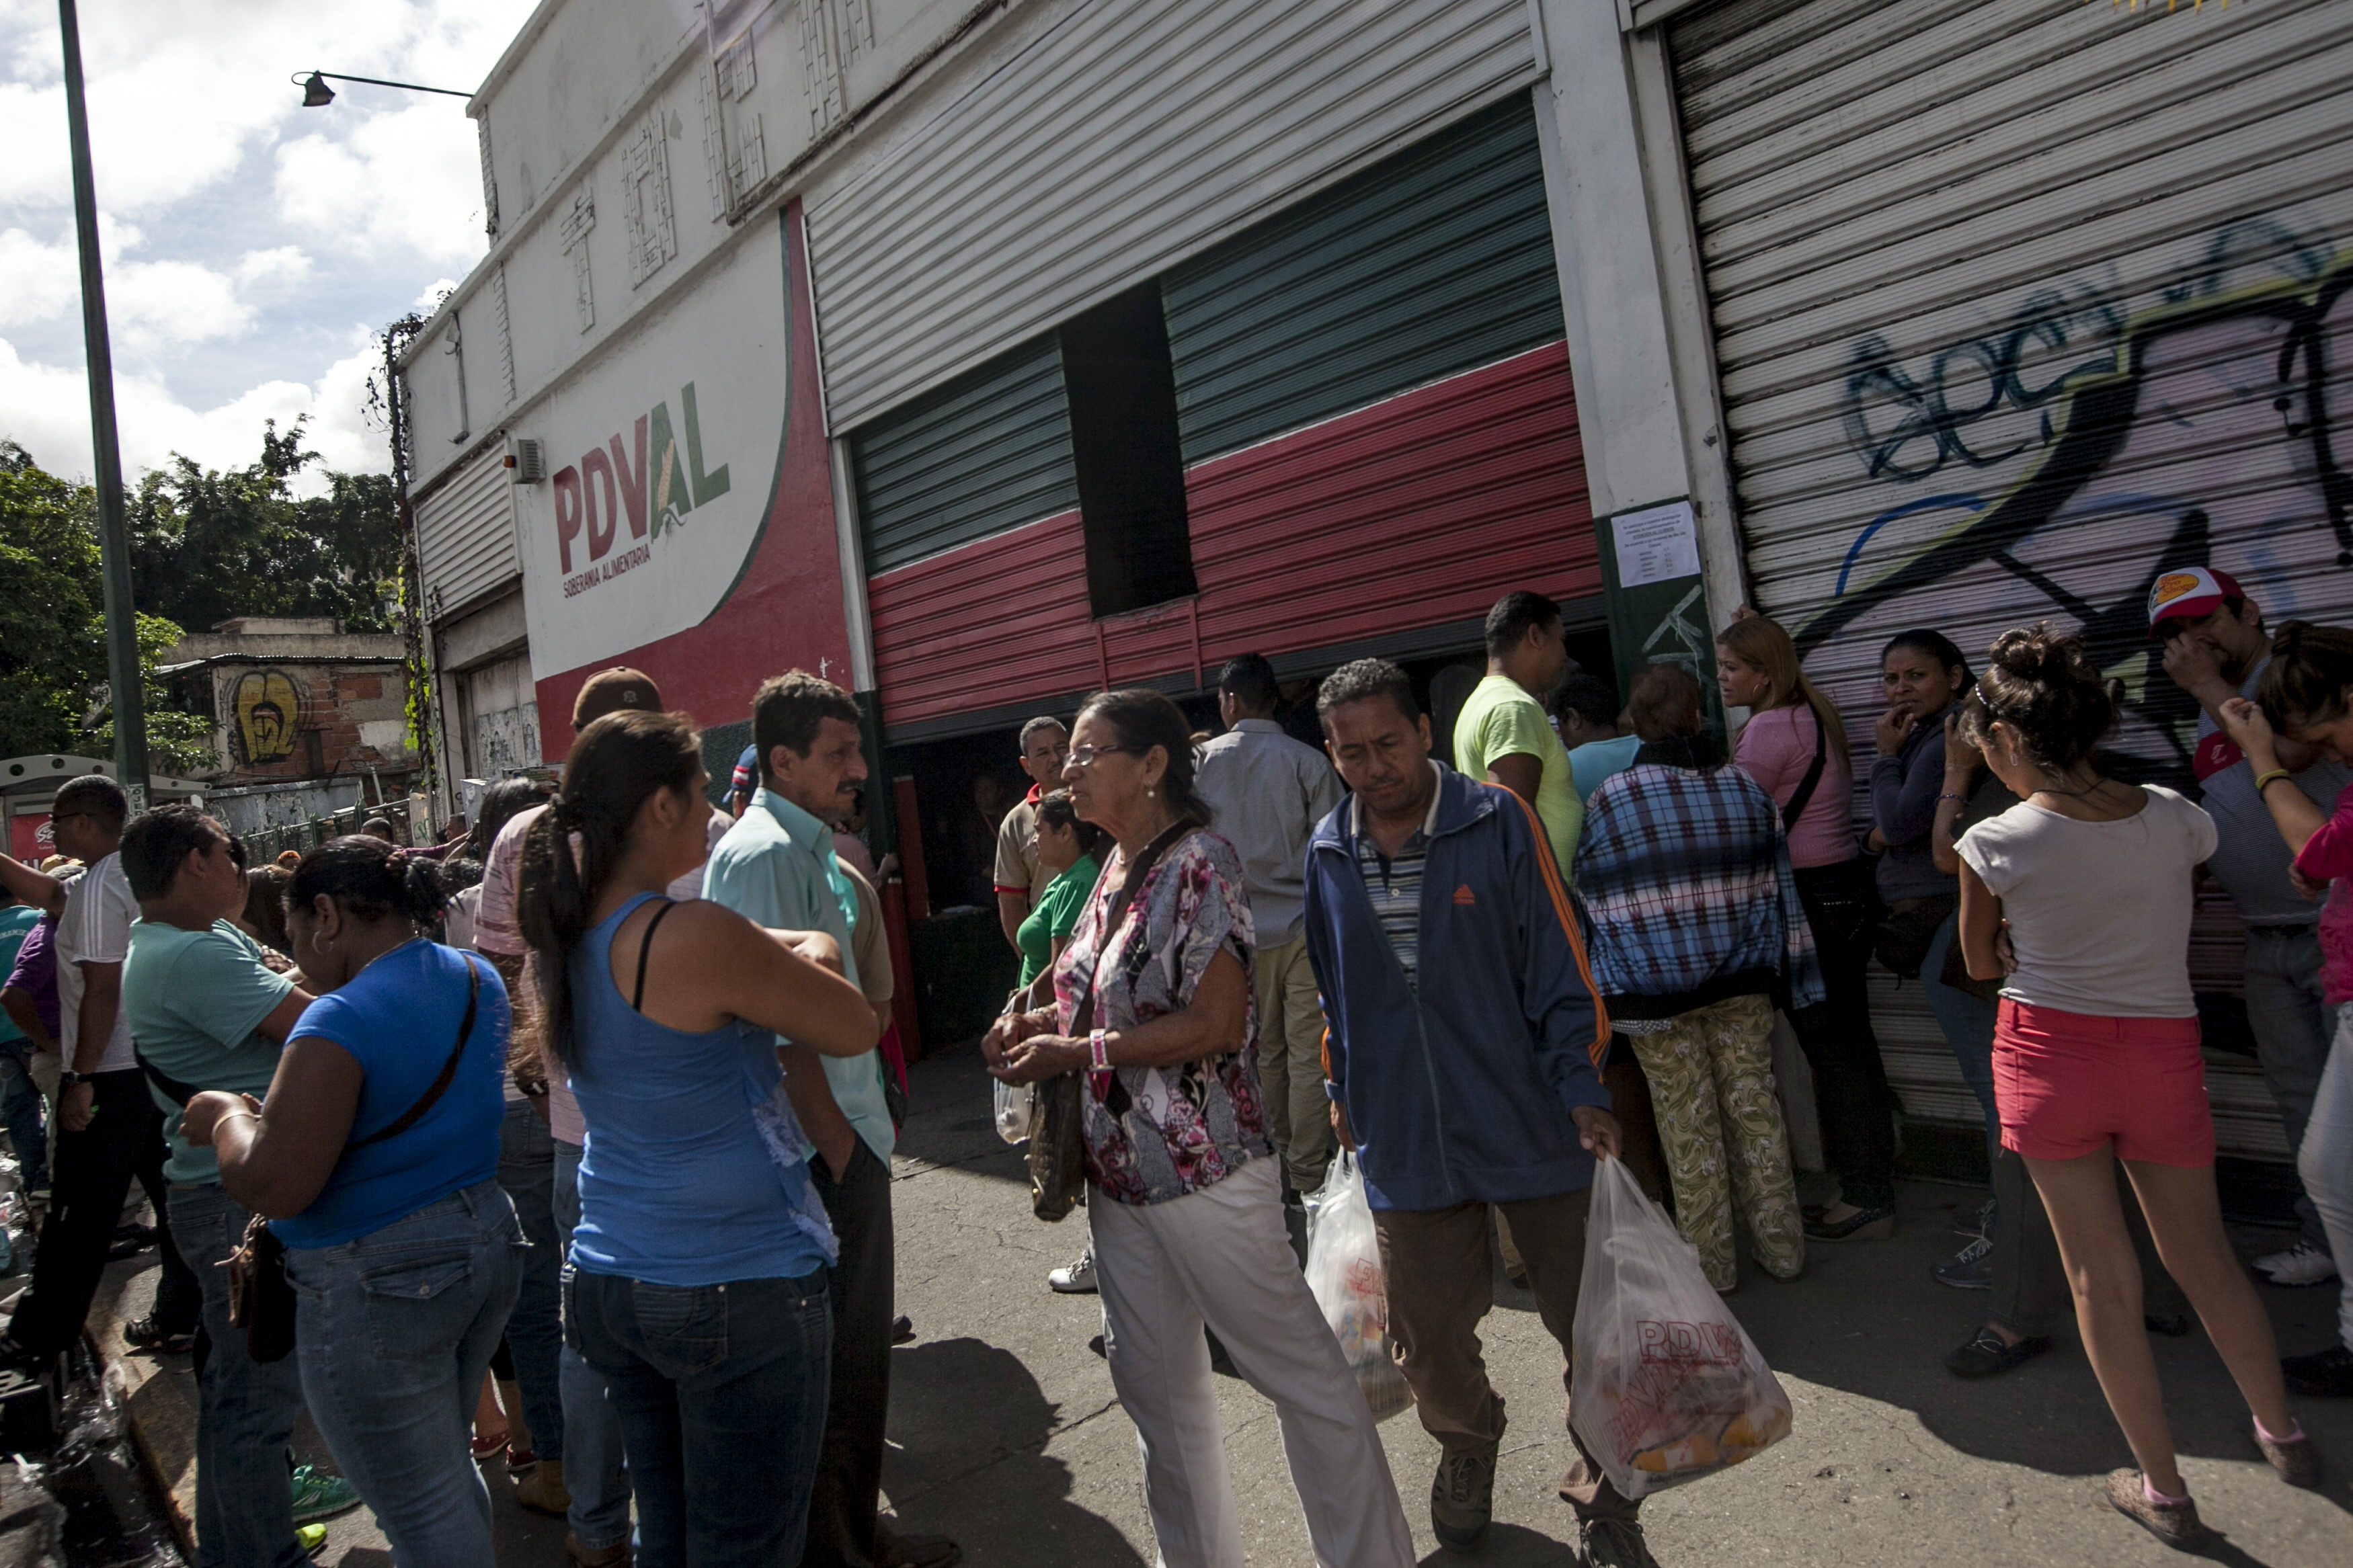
(1613, 1543)
(1987, 1354)
(320, 1494)
(2327, 1373)
(2297, 1460)
(2303, 1264)
(1462, 1495)
(309, 1538)
(1076, 1278)
(542, 1490)
(2172, 1325)
(1970, 1268)
(129, 1241)
(2174, 1523)
(1982, 1223)
(151, 1335)
(902, 1330)
(614, 1556)
(892, 1550)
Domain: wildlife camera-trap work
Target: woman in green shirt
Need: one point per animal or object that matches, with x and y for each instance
(1069, 848)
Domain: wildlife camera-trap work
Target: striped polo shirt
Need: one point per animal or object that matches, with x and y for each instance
(1394, 883)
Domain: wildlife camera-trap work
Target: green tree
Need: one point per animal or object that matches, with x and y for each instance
(206, 545)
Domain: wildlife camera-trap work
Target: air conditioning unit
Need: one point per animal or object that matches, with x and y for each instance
(526, 466)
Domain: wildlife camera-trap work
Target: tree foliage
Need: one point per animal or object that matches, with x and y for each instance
(206, 545)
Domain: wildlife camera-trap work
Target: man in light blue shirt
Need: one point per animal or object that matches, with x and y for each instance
(776, 866)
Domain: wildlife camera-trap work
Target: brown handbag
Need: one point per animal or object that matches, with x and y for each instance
(261, 1295)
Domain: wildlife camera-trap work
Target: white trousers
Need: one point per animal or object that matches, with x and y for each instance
(1222, 1257)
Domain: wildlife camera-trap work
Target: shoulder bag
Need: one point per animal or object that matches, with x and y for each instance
(260, 1296)
(1057, 1149)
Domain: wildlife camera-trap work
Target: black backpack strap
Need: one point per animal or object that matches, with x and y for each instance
(177, 1091)
(645, 951)
(432, 1096)
(1799, 801)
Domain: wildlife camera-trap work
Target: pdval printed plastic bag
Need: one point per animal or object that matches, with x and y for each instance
(1344, 1271)
(1668, 1387)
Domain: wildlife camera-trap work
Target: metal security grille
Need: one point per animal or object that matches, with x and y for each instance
(1437, 261)
(466, 535)
(2017, 305)
(1113, 141)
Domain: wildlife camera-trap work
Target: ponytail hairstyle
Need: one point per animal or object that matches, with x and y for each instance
(1144, 719)
(371, 880)
(2042, 684)
(2310, 677)
(616, 765)
(1763, 645)
(1056, 811)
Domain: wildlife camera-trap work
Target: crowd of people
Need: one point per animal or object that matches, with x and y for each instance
(564, 1148)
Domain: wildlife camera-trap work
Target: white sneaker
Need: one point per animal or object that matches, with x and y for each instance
(2303, 1264)
(1076, 1278)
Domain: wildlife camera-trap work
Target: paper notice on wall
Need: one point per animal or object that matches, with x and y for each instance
(1656, 544)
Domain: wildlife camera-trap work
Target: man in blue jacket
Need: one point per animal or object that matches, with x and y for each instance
(1462, 1059)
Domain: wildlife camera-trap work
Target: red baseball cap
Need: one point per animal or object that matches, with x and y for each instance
(2191, 594)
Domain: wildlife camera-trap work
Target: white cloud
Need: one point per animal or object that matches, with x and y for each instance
(43, 278)
(279, 267)
(396, 179)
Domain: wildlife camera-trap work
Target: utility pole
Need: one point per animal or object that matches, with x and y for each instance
(122, 670)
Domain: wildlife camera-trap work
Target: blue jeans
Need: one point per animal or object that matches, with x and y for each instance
(722, 1393)
(535, 1331)
(1968, 1023)
(395, 1332)
(20, 1110)
(2293, 1025)
(245, 1411)
(596, 1475)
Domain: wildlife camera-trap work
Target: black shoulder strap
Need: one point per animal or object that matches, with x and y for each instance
(1082, 1018)
(1799, 802)
(645, 949)
(416, 1112)
(177, 1091)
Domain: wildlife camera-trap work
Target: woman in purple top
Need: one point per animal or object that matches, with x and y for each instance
(1795, 748)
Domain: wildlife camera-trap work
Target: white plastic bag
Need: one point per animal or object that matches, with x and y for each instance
(1016, 1112)
(1344, 1271)
(1668, 1387)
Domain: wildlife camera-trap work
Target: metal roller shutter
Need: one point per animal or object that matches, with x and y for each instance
(1434, 261)
(989, 451)
(2016, 305)
(1114, 143)
(466, 535)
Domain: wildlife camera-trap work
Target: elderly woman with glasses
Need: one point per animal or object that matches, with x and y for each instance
(1152, 1003)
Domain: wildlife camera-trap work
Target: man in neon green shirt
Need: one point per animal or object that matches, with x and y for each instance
(1501, 734)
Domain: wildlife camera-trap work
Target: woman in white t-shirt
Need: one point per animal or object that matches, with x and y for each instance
(2096, 1054)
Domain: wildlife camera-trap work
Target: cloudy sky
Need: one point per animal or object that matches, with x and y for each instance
(252, 245)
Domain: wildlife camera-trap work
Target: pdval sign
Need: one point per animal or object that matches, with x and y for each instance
(664, 445)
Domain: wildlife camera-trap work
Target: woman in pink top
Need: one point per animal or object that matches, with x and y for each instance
(2308, 693)
(1795, 748)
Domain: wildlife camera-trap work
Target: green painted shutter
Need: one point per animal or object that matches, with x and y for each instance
(988, 451)
(1434, 261)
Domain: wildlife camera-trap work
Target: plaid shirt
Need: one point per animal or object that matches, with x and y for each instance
(1686, 877)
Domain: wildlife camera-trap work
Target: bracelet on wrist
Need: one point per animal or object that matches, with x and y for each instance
(2263, 780)
(1098, 1052)
(1962, 798)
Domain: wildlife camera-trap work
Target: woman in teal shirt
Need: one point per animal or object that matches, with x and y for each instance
(1069, 848)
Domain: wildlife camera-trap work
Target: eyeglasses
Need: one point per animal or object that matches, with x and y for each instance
(1084, 756)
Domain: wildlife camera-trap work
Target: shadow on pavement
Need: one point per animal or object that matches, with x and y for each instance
(1505, 1546)
(1871, 1321)
(952, 1118)
(969, 1429)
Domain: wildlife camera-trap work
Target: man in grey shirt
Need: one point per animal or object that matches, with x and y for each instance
(2215, 650)
(1268, 792)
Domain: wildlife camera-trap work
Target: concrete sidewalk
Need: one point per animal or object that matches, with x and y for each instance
(1006, 1436)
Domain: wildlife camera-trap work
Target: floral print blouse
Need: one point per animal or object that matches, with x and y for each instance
(1186, 1127)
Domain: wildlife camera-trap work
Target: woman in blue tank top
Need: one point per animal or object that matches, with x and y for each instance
(375, 1155)
(697, 1277)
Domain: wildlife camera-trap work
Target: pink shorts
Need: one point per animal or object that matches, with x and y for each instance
(2068, 1084)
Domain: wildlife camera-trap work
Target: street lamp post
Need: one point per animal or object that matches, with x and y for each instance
(123, 671)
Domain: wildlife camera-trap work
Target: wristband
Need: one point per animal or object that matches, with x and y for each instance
(2264, 781)
(1097, 1052)
(1962, 798)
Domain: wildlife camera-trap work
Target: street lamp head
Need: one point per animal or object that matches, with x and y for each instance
(316, 93)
